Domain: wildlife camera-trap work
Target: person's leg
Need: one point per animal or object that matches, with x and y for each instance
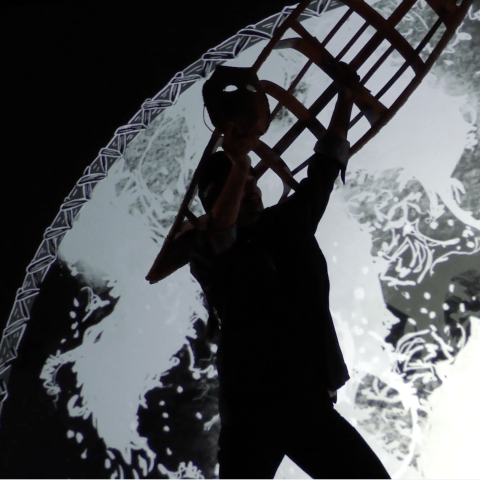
(329, 447)
(248, 452)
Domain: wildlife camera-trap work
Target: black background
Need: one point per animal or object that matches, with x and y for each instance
(72, 73)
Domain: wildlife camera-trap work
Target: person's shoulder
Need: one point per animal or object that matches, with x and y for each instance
(271, 217)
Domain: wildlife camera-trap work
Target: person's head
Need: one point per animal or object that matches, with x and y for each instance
(234, 94)
(214, 174)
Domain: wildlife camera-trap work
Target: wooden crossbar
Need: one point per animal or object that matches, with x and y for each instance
(378, 64)
(298, 127)
(279, 34)
(315, 51)
(387, 31)
(398, 74)
(445, 9)
(292, 87)
(337, 27)
(286, 99)
(451, 27)
(352, 41)
(274, 161)
(158, 271)
(179, 240)
(296, 107)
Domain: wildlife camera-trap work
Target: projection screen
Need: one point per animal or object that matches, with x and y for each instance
(126, 375)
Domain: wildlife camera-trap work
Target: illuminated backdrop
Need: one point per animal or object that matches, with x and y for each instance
(125, 366)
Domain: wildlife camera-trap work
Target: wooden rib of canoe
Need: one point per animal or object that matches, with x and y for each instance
(177, 245)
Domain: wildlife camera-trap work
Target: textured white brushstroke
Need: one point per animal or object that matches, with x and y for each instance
(113, 243)
(450, 449)
(148, 324)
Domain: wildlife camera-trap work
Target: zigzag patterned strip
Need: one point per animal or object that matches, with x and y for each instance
(80, 194)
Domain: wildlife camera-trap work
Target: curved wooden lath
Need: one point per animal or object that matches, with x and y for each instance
(175, 251)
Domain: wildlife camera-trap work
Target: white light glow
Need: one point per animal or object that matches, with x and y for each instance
(117, 235)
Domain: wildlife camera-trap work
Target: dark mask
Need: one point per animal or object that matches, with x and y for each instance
(233, 92)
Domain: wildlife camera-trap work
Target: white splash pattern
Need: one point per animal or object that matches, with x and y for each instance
(117, 235)
(184, 471)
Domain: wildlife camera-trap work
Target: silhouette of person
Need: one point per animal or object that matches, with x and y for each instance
(266, 282)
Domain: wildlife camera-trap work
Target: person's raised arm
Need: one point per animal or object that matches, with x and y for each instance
(225, 210)
(331, 155)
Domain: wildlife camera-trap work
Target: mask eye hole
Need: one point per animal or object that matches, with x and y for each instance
(230, 88)
(251, 88)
